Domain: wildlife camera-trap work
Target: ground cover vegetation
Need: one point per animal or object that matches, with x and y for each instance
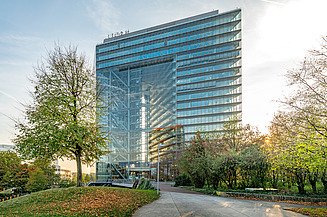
(314, 212)
(87, 201)
(291, 158)
(62, 120)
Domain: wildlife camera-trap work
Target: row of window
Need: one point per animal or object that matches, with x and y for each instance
(204, 120)
(208, 59)
(222, 65)
(209, 102)
(208, 84)
(221, 48)
(210, 111)
(179, 30)
(131, 51)
(219, 30)
(215, 40)
(212, 93)
(197, 86)
(162, 122)
(224, 74)
(161, 107)
(161, 115)
(162, 97)
(203, 128)
(160, 44)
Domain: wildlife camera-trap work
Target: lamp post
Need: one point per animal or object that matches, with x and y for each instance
(158, 169)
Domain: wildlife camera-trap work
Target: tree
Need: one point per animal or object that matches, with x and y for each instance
(194, 161)
(253, 167)
(303, 129)
(219, 158)
(225, 151)
(229, 165)
(37, 181)
(309, 83)
(41, 175)
(296, 148)
(8, 161)
(12, 172)
(61, 122)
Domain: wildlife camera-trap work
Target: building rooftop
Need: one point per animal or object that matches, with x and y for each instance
(165, 25)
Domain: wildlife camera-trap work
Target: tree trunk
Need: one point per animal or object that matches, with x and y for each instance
(79, 182)
(300, 180)
(313, 181)
(229, 180)
(324, 180)
(235, 178)
(274, 179)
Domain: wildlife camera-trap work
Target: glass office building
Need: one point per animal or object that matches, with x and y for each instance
(183, 73)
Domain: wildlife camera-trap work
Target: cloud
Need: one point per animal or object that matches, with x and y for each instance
(10, 96)
(273, 2)
(16, 38)
(105, 15)
(12, 62)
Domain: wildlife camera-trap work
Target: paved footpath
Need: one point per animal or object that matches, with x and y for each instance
(177, 203)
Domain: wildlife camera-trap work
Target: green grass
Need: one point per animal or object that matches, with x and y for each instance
(316, 212)
(87, 201)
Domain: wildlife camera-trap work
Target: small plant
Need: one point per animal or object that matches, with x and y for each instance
(145, 184)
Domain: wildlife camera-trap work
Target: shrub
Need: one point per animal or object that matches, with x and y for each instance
(145, 184)
(183, 180)
(38, 181)
(66, 183)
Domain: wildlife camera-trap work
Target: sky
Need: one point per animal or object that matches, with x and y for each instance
(276, 36)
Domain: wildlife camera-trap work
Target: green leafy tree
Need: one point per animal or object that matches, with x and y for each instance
(8, 161)
(253, 166)
(219, 158)
(229, 165)
(226, 150)
(12, 172)
(216, 173)
(62, 120)
(296, 149)
(302, 130)
(37, 181)
(194, 161)
(309, 99)
(309, 82)
(41, 175)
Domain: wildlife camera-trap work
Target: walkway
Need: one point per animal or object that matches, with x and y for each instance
(181, 204)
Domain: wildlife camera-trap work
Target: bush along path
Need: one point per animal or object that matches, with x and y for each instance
(275, 197)
(88, 201)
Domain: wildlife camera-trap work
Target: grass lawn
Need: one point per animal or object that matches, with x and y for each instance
(86, 201)
(316, 212)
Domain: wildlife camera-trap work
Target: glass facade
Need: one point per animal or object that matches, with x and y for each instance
(185, 73)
